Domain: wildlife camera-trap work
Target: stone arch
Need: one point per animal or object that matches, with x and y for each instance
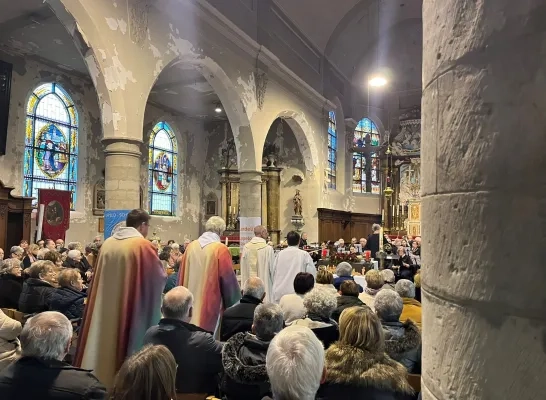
(304, 136)
(231, 102)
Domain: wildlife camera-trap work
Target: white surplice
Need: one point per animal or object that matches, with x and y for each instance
(257, 260)
(288, 264)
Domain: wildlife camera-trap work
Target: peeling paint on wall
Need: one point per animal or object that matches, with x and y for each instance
(117, 76)
(248, 95)
(115, 24)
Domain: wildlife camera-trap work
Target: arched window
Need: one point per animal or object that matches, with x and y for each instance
(332, 150)
(51, 142)
(162, 167)
(365, 127)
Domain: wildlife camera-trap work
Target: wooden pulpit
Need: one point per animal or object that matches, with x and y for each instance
(15, 218)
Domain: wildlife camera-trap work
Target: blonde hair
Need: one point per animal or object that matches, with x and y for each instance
(40, 268)
(324, 277)
(32, 247)
(360, 327)
(68, 276)
(374, 279)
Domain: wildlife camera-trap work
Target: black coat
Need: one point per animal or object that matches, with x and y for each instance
(198, 355)
(245, 376)
(373, 244)
(11, 287)
(238, 318)
(345, 391)
(36, 296)
(31, 378)
(344, 302)
(68, 301)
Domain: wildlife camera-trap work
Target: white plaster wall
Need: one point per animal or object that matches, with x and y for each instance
(27, 75)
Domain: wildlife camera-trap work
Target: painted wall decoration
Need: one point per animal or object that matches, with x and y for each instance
(51, 142)
(162, 167)
(408, 141)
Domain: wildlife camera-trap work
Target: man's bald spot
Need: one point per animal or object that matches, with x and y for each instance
(260, 231)
(177, 303)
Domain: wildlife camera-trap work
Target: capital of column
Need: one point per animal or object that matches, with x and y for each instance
(122, 147)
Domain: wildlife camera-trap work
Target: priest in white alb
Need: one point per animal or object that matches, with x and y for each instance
(257, 260)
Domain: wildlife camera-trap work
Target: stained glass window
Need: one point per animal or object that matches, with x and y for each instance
(365, 127)
(51, 142)
(162, 167)
(332, 150)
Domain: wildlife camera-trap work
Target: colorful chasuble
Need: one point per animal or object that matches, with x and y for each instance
(208, 273)
(124, 301)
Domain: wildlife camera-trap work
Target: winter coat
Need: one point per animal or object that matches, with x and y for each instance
(245, 376)
(68, 301)
(197, 354)
(11, 287)
(340, 279)
(411, 310)
(292, 307)
(344, 302)
(171, 282)
(239, 318)
(329, 287)
(10, 348)
(32, 378)
(36, 296)
(354, 373)
(403, 344)
(325, 329)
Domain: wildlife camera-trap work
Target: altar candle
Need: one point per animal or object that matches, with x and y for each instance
(381, 239)
(227, 240)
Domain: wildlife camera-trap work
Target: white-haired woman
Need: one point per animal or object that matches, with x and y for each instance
(374, 283)
(11, 283)
(388, 279)
(344, 272)
(320, 304)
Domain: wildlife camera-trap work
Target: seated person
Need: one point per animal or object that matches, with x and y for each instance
(245, 375)
(340, 244)
(325, 280)
(388, 278)
(292, 304)
(374, 283)
(344, 272)
(38, 288)
(405, 264)
(10, 348)
(348, 298)
(69, 299)
(11, 283)
(412, 308)
(402, 340)
(197, 354)
(320, 304)
(295, 364)
(74, 260)
(40, 373)
(238, 318)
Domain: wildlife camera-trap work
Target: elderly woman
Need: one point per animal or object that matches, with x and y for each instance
(325, 280)
(320, 304)
(11, 283)
(37, 289)
(69, 299)
(74, 260)
(17, 252)
(348, 298)
(402, 340)
(404, 264)
(31, 255)
(54, 257)
(388, 278)
(374, 283)
(357, 365)
(292, 304)
(344, 272)
(175, 254)
(78, 246)
(412, 308)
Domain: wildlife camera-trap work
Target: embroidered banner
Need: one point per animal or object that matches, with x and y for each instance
(56, 212)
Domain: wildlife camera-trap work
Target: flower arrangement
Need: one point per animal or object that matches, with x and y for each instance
(336, 258)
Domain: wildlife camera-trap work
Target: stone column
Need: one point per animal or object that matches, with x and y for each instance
(250, 192)
(122, 174)
(484, 199)
(273, 202)
(264, 201)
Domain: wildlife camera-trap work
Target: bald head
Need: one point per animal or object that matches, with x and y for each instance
(177, 304)
(254, 287)
(260, 231)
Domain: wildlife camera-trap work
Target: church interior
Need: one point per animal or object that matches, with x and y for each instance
(191, 109)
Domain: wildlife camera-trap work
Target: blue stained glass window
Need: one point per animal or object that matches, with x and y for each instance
(365, 127)
(332, 150)
(162, 167)
(51, 142)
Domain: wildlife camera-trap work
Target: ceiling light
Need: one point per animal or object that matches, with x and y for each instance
(377, 81)
(218, 109)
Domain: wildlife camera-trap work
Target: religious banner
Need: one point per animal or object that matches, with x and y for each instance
(56, 220)
(247, 225)
(113, 220)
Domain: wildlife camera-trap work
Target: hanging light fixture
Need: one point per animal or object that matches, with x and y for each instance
(218, 109)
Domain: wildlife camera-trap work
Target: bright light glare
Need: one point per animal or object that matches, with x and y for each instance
(218, 110)
(377, 81)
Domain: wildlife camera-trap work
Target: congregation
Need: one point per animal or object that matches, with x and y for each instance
(125, 320)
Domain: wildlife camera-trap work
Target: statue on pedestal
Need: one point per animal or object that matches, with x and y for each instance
(297, 203)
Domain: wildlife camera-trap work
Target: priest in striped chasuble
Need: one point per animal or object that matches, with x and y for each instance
(257, 260)
(206, 270)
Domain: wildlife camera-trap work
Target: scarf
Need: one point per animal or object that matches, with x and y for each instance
(371, 292)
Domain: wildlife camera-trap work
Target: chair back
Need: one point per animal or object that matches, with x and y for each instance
(415, 382)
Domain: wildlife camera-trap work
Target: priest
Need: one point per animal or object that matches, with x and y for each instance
(206, 270)
(257, 260)
(124, 299)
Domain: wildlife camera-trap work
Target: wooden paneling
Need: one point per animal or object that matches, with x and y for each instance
(334, 224)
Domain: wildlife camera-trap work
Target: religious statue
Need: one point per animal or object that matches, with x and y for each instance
(297, 203)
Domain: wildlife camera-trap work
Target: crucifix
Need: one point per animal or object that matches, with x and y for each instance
(366, 149)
